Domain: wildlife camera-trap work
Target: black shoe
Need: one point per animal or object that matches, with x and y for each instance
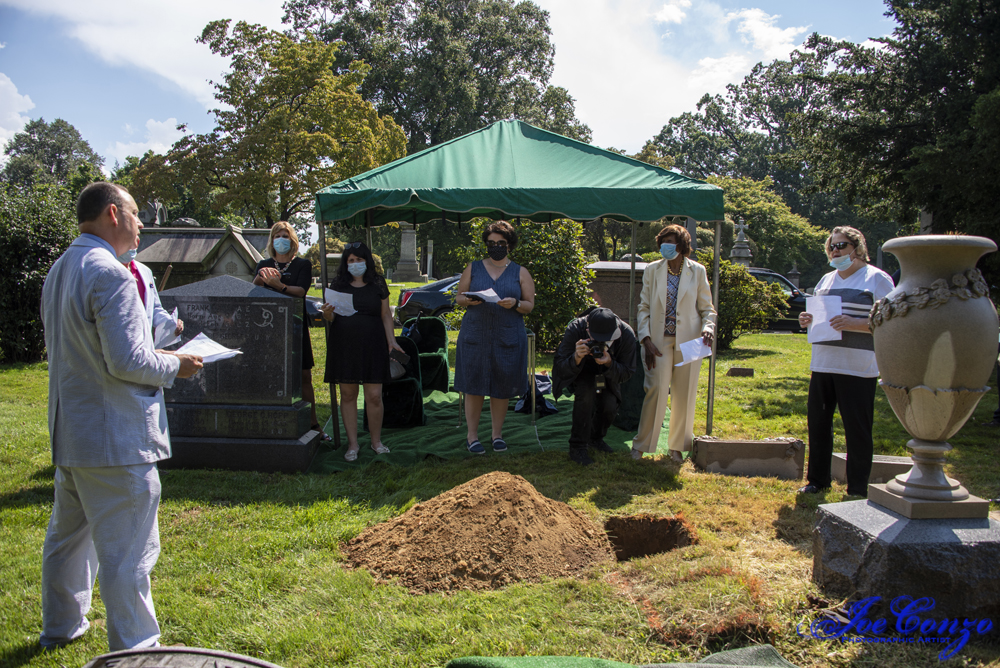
(580, 456)
(992, 423)
(600, 445)
(812, 489)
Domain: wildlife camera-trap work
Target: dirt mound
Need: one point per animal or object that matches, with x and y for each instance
(489, 532)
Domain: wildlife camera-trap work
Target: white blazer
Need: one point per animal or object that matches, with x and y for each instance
(105, 399)
(695, 313)
(155, 312)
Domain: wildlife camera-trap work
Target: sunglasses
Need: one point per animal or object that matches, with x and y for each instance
(840, 245)
(355, 244)
(494, 244)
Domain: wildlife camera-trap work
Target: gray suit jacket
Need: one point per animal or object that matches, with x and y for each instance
(154, 309)
(105, 399)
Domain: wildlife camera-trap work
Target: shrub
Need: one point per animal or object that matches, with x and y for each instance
(555, 258)
(745, 304)
(37, 224)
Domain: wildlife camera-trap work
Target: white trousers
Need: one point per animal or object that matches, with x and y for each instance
(104, 519)
(681, 383)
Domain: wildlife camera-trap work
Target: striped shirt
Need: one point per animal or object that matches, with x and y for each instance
(854, 354)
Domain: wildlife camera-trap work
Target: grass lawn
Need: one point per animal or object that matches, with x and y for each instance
(252, 564)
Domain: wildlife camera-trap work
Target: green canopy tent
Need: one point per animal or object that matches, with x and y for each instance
(511, 169)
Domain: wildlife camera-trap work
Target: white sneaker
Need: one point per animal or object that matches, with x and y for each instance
(636, 454)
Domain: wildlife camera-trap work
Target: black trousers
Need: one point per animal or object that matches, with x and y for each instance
(593, 411)
(855, 398)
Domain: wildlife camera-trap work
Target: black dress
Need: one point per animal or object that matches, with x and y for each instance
(356, 349)
(298, 272)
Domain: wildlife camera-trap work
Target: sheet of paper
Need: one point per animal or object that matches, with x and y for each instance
(822, 309)
(164, 335)
(488, 295)
(209, 350)
(343, 303)
(694, 350)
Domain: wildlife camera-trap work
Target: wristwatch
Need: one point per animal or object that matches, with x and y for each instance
(517, 303)
(284, 289)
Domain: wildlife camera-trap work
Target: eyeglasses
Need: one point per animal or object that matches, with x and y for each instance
(355, 244)
(840, 245)
(494, 244)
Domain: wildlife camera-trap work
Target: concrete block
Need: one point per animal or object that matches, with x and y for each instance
(884, 467)
(780, 457)
(923, 509)
(740, 371)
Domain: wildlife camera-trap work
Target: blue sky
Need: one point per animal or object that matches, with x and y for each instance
(126, 73)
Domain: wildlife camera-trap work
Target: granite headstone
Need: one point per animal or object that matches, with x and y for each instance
(245, 412)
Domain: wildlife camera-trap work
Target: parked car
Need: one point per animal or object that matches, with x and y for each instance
(313, 313)
(435, 298)
(796, 299)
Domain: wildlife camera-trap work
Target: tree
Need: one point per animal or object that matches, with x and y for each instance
(914, 124)
(51, 153)
(287, 126)
(745, 304)
(39, 223)
(443, 68)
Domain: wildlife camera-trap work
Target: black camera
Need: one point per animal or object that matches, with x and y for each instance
(597, 348)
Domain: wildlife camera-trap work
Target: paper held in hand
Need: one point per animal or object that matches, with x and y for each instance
(207, 349)
(823, 308)
(487, 295)
(694, 350)
(164, 335)
(343, 303)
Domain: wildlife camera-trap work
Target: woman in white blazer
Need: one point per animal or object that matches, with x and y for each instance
(675, 306)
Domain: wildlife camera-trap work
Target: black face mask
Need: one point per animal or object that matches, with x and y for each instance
(497, 252)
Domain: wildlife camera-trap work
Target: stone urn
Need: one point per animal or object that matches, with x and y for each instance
(935, 341)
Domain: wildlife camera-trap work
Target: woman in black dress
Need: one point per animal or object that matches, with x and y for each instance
(283, 272)
(358, 346)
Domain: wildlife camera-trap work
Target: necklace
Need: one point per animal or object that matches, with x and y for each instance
(675, 273)
(279, 265)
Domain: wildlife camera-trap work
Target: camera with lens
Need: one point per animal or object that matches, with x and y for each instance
(597, 348)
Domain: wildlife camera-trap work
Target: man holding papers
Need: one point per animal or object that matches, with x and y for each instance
(107, 428)
(675, 307)
(843, 360)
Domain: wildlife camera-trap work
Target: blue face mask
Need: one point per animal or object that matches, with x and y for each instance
(668, 251)
(128, 255)
(841, 263)
(282, 245)
(357, 268)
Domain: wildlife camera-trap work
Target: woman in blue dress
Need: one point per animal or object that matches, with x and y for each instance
(492, 352)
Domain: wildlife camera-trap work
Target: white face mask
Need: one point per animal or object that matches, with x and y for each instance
(357, 268)
(128, 255)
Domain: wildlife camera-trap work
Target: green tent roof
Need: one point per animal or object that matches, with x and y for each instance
(511, 169)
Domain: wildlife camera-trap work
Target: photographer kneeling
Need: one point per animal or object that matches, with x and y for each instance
(596, 343)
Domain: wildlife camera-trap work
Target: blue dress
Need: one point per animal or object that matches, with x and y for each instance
(491, 358)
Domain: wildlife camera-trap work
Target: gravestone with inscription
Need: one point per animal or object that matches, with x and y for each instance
(246, 412)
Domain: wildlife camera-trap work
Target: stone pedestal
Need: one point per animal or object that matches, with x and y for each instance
(884, 467)
(863, 549)
(610, 286)
(408, 269)
(971, 507)
(232, 411)
(780, 458)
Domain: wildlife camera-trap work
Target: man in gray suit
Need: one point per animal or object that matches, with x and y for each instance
(108, 428)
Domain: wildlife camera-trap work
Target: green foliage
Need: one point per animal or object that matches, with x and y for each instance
(52, 153)
(778, 237)
(443, 68)
(450, 244)
(913, 124)
(286, 127)
(745, 304)
(38, 224)
(556, 261)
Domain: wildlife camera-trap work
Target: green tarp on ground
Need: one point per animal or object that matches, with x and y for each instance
(512, 169)
(442, 436)
(760, 656)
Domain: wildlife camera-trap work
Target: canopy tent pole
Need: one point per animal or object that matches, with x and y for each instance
(322, 278)
(631, 282)
(715, 339)
(368, 230)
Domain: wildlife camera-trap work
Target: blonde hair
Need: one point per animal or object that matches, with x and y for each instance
(854, 236)
(278, 227)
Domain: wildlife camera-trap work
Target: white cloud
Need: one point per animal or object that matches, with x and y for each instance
(12, 106)
(155, 36)
(713, 74)
(160, 136)
(759, 30)
(673, 11)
